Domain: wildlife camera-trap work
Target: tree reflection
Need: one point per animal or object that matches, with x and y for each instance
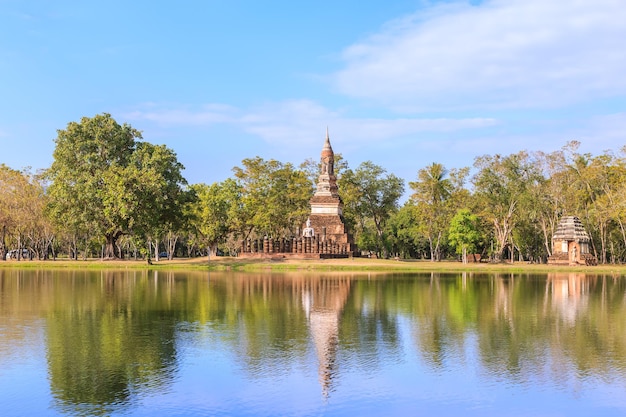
(108, 337)
(522, 324)
(112, 336)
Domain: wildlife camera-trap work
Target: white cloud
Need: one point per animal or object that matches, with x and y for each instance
(173, 115)
(500, 53)
(298, 123)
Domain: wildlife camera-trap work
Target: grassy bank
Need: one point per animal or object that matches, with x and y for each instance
(354, 264)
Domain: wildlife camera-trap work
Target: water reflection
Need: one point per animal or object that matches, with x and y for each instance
(569, 294)
(109, 336)
(111, 339)
(323, 301)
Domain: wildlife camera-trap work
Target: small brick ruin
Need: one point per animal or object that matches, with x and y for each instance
(570, 244)
(324, 234)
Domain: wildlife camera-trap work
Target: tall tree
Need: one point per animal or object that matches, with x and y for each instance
(214, 211)
(104, 180)
(464, 233)
(433, 197)
(22, 220)
(10, 180)
(501, 184)
(404, 232)
(374, 197)
(161, 195)
(275, 197)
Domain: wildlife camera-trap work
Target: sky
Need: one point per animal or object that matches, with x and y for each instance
(401, 83)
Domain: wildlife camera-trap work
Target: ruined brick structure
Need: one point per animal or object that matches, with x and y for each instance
(570, 244)
(326, 206)
(324, 234)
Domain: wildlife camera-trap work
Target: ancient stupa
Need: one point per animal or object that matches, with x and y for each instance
(326, 217)
(324, 235)
(570, 244)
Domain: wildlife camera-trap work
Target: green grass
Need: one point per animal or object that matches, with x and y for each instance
(354, 264)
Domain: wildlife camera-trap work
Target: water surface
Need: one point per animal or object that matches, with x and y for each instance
(148, 343)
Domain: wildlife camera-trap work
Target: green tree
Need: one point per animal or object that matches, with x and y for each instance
(161, 195)
(10, 182)
(373, 198)
(435, 192)
(105, 181)
(275, 197)
(464, 233)
(213, 212)
(501, 185)
(23, 224)
(404, 232)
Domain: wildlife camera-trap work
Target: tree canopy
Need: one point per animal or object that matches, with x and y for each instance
(106, 182)
(109, 193)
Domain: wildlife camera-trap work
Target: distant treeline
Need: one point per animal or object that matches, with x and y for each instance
(110, 194)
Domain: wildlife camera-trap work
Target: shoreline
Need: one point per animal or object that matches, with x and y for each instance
(293, 265)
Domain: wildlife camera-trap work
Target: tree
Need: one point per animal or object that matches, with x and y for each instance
(212, 213)
(161, 194)
(433, 197)
(501, 184)
(10, 182)
(22, 220)
(463, 233)
(105, 181)
(404, 233)
(373, 197)
(275, 197)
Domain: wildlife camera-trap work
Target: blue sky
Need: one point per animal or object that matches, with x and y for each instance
(401, 83)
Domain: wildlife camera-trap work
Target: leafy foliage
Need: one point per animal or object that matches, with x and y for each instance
(103, 181)
(108, 192)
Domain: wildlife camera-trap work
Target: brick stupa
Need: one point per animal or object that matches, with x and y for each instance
(326, 217)
(324, 234)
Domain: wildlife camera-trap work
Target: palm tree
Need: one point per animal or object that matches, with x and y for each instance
(431, 192)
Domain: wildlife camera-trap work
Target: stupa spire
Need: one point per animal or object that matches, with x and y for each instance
(327, 137)
(327, 182)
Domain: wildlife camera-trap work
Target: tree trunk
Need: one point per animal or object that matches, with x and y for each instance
(156, 250)
(110, 248)
(191, 248)
(432, 251)
(602, 230)
(212, 249)
(172, 239)
(546, 239)
(3, 247)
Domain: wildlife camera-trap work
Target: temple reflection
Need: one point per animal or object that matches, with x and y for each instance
(569, 294)
(323, 302)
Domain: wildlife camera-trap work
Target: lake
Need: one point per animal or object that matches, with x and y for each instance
(155, 343)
